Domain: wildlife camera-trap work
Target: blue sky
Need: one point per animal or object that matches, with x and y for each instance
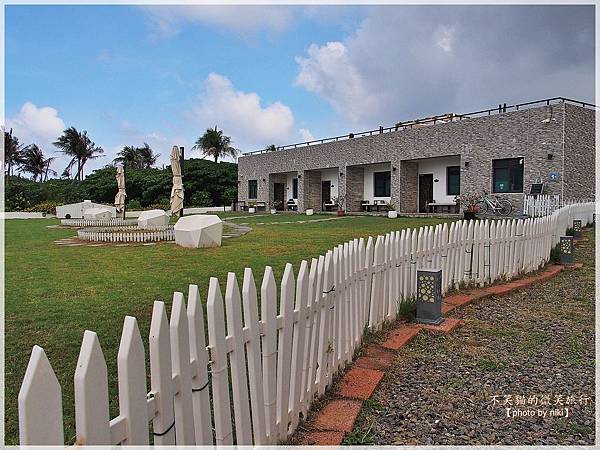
(269, 74)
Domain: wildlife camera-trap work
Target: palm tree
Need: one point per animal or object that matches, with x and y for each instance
(79, 147)
(13, 152)
(137, 157)
(35, 163)
(215, 144)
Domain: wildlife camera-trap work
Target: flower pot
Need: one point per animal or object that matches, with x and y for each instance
(251, 210)
(392, 214)
(341, 212)
(470, 215)
(273, 211)
(310, 212)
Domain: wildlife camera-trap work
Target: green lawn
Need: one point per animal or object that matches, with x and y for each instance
(54, 293)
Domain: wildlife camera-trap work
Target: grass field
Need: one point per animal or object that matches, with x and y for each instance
(54, 293)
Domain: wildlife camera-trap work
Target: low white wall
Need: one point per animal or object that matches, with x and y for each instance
(369, 185)
(437, 167)
(25, 215)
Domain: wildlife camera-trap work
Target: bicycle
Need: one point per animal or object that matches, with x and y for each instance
(499, 206)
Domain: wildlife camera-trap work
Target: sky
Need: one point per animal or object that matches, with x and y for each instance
(277, 74)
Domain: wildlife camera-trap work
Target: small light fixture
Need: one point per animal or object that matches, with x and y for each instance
(577, 234)
(436, 180)
(550, 156)
(429, 296)
(393, 169)
(299, 176)
(341, 174)
(466, 163)
(264, 180)
(566, 249)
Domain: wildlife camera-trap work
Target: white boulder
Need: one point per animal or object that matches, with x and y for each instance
(97, 214)
(153, 218)
(199, 231)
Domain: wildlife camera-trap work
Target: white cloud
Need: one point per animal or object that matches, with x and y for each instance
(36, 125)
(243, 19)
(306, 135)
(329, 72)
(405, 62)
(242, 115)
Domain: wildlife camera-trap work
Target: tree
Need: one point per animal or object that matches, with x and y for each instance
(79, 147)
(137, 157)
(35, 163)
(215, 144)
(13, 152)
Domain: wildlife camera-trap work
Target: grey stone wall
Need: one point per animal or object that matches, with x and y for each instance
(354, 186)
(580, 143)
(532, 134)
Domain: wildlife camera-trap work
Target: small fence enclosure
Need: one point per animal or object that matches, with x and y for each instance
(264, 367)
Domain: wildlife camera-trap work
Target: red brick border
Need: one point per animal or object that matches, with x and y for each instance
(337, 417)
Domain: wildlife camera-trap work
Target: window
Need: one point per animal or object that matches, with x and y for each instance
(453, 180)
(252, 189)
(507, 175)
(295, 188)
(382, 181)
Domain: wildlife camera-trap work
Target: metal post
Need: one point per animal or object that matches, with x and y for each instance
(181, 160)
(429, 296)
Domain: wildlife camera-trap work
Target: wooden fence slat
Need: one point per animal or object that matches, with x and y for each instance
(131, 368)
(180, 355)
(315, 295)
(40, 403)
(161, 376)
(257, 398)
(220, 379)
(200, 382)
(91, 394)
(299, 352)
(239, 378)
(284, 349)
(268, 305)
(324, 347)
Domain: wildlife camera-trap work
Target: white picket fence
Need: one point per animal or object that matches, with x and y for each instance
(544, 205)
(279, 363)
(97, 223)
(128, 234)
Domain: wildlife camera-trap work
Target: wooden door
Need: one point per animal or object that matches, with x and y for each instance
(425, 192)
(278, 195)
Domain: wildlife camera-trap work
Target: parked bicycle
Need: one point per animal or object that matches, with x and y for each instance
(498, 206)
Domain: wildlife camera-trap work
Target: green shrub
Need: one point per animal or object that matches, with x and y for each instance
(407, 308)
(134, 205)
(163, 206)
(569, 232)
(48, 207)
(555, 254)
(201, 198)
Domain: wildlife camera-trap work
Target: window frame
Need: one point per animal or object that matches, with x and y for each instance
(389, 183)
(255, 183)
(511, 176)
(448, 168)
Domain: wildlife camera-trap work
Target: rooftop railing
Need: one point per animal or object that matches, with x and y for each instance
(445, 118)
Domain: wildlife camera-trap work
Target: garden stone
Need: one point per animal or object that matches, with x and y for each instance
(97, 214)
(198, 231)
(153, 218)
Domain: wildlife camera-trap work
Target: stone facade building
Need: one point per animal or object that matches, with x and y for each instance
(423, 164)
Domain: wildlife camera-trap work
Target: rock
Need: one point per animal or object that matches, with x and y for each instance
(153, 218)
(199, 231)
(97, 214)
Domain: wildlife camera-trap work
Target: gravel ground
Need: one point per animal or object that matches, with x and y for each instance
(535, 346)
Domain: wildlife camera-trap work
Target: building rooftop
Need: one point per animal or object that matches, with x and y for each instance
(443, 118)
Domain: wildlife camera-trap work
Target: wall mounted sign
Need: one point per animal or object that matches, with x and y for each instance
(553, 176)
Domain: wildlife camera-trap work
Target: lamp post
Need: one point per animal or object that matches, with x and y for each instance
(577, 234)
(429, 296)
(566, 250)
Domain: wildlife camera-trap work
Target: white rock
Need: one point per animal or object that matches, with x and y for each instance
(153, 218)
(97, 214)
(199, 231)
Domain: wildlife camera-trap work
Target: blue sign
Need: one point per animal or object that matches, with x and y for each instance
(553, 176)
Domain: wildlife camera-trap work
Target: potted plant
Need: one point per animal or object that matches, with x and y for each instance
(391, 209)
(339, 201)
(469, 203)
(275, 205)
(251, 207)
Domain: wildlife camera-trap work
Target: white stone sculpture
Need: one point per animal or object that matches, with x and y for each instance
(199, 231)
(153, 218)
(97, 214)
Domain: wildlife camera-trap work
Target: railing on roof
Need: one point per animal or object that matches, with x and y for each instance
(502, 108)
